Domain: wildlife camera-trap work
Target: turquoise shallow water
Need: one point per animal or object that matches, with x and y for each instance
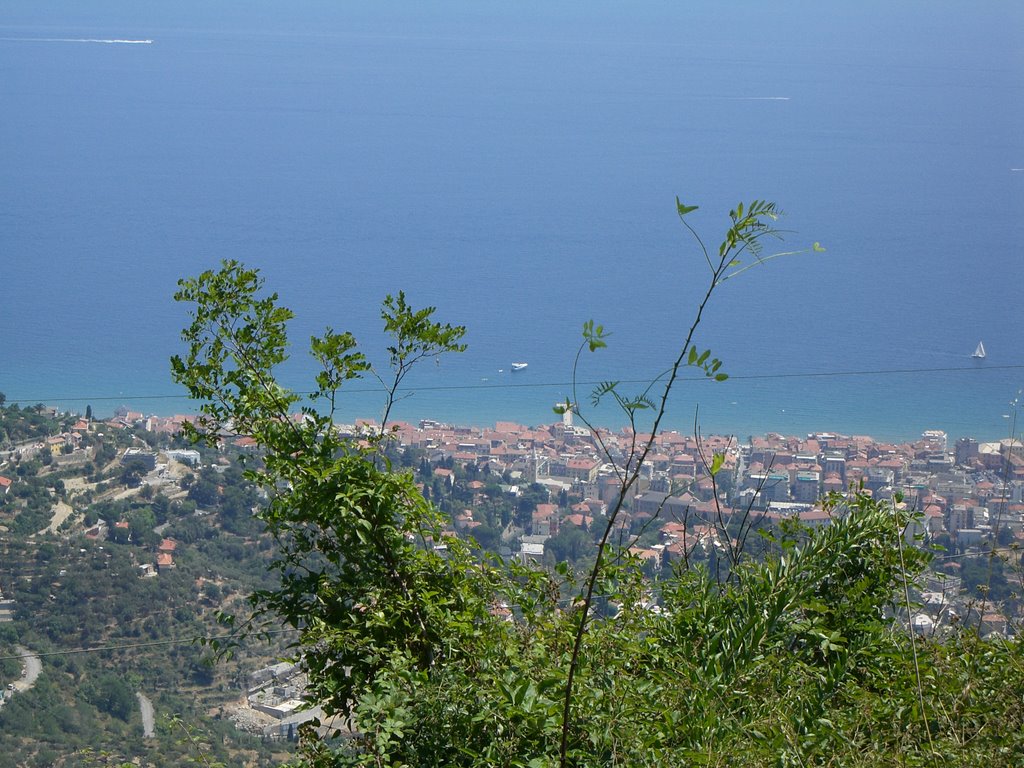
(517, 167)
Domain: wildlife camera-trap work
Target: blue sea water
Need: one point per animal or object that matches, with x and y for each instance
(516, 165)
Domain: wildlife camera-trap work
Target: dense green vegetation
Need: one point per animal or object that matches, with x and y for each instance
(795, 660)
(104, 630)
(78, 595)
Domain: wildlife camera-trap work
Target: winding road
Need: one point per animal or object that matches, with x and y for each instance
(146, 710)
(33, 666)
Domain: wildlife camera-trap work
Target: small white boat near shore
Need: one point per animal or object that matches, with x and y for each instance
(519, 366)
(979, 352)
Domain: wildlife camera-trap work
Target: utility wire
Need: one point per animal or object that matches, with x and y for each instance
(551, 384)
(149, 644)
(979, 554)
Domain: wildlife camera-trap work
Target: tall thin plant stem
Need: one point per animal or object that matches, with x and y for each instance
(747, 229)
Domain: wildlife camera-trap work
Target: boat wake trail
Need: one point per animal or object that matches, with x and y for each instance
(73, 40)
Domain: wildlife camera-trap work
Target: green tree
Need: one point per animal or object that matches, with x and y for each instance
(205, 493)
(571, 544)
(133, 472)
(488, 537)
(112, 695)
(141, 522)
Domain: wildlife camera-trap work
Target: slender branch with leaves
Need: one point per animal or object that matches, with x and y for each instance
(415, 338)
(749, 226)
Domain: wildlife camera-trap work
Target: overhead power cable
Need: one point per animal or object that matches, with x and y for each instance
(560, 384)
(132, 646)
(982, 553)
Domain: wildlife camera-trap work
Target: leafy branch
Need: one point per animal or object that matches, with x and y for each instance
(357, 579)
(416, 337)
(749, 225)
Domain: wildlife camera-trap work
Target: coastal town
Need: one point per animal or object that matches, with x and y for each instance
(538, 495)
(969, 496)
(560, 480)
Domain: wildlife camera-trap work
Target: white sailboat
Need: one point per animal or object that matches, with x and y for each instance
(979, 353)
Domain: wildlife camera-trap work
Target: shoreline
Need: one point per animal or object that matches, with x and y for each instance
(164, 422)
(888, 411)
